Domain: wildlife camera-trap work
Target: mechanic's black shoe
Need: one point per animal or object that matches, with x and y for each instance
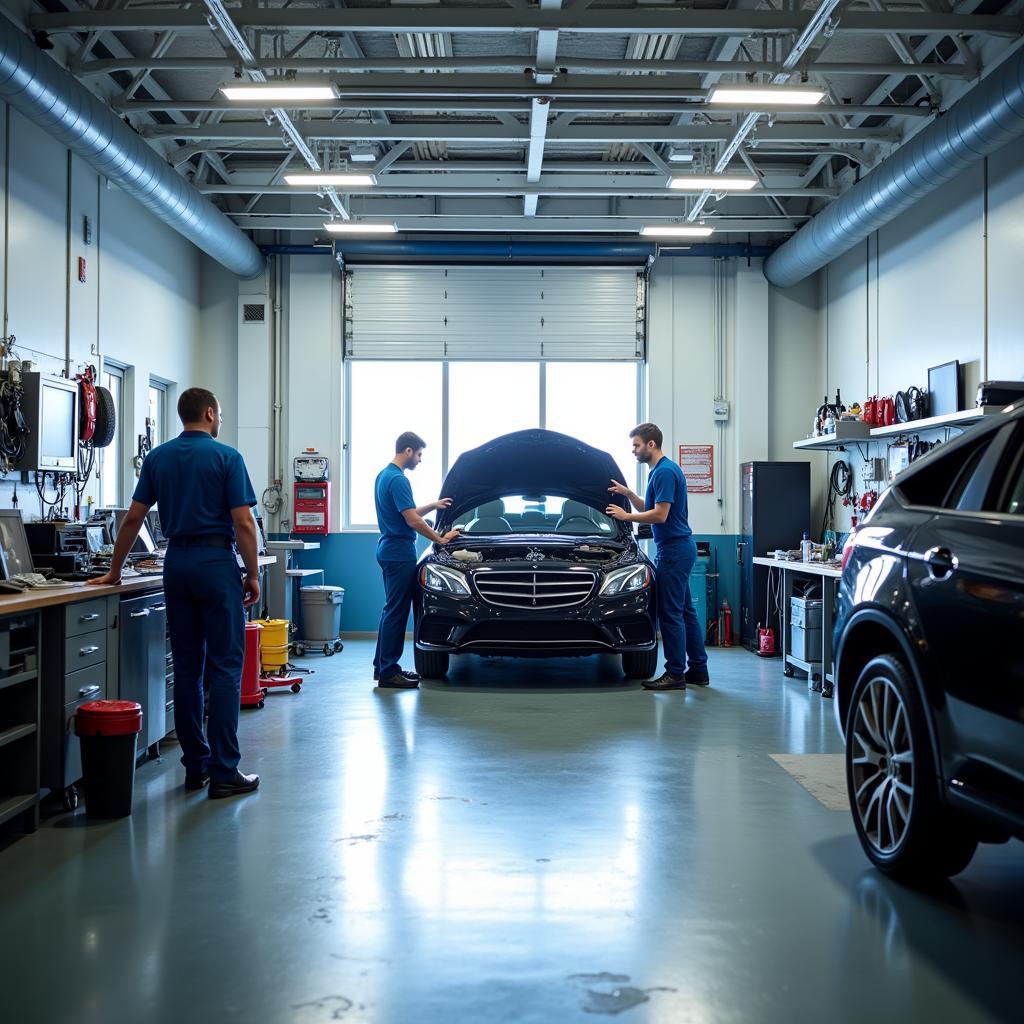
(400, 681)
(408, 675)
(666, 681)
(697, 677)
(238, 786)
(196, 780)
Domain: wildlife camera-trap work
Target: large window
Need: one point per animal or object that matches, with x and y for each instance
(157, 410)
(459, 405)
(111, 457)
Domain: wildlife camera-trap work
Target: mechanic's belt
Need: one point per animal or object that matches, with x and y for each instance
(202, 540)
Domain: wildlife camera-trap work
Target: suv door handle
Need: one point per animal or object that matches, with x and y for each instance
(941, 562)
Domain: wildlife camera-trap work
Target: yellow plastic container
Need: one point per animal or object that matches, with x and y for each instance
(273, 644)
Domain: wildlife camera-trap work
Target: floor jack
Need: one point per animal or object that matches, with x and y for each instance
(284, 675)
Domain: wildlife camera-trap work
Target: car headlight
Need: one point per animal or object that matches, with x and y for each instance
(626, 581)
(443, 581)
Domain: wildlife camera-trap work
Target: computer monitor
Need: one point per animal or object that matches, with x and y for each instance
(15, 556)
(144, 543)
(945, 388)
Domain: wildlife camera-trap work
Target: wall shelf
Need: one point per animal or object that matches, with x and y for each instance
(829, 443)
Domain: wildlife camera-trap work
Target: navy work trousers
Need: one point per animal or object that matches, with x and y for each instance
(677, 618)
(206, 621)
(399, 591)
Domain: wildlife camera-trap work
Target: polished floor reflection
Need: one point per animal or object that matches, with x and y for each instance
(534, 841)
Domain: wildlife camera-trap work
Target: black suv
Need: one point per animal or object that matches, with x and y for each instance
(539, 570)
(930, 656)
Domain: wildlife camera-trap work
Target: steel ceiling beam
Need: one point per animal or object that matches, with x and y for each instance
(634, 21)
(489, 132)
(309, 66)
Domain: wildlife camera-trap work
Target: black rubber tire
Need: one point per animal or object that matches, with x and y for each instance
(295, 687)
(640, 664)
(431, 664)
(106, 419)
(936, 844)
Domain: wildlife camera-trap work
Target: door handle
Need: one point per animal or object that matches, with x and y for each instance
(158, 607)
(140, 614)
(91, 649)
(89, 618)
(941, 562)
(740, 545)
(88, 691)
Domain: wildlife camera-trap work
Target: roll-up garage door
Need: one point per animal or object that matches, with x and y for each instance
(507, 313)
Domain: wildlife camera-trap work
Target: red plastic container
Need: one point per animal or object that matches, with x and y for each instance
(109, 731)
(253, 695)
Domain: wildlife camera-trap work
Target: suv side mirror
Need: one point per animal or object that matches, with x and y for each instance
(645, 531)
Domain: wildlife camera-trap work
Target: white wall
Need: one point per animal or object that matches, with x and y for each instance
(941, 282)
(141, 304)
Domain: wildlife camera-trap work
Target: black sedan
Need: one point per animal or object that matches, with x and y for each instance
(930, 656)
(539, 569)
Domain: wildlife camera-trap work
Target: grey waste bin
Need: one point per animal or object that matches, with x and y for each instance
(321, 614)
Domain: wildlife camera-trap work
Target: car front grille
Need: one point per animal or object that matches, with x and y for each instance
(540, 588)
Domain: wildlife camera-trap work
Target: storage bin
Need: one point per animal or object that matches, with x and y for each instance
(805, 612)
(321, 613)
(805, 644)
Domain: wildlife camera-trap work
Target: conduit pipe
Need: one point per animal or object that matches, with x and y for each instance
(45, 93)
(979, 124)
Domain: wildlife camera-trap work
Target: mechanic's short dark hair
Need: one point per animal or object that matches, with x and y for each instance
(409, 440)
(193, 403)
(648, 432)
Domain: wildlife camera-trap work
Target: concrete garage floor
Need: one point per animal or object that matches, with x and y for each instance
(531, 842)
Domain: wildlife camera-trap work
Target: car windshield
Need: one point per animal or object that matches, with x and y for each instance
(535, 513)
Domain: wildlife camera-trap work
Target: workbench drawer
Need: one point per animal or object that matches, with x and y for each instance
(85, 650)
(85, 616)
(86, 684)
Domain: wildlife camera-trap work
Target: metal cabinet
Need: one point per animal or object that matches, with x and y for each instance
(19, 720)
(142, 669)
(75, 670)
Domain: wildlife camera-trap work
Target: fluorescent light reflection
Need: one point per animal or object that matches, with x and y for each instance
(327, 178)
(352, 227)
(277, 93)
(676, 231)
(713, 182)
(768, 95)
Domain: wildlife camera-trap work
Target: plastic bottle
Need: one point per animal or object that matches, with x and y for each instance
(806, 547)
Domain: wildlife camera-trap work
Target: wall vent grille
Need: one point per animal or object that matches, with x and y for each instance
(254, 313)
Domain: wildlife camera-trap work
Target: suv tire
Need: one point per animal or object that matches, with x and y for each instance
(902, 823)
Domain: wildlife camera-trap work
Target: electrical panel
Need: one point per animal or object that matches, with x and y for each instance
(720, 410)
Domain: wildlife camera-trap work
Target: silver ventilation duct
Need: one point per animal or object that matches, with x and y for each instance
(41, 90)
(983, 121)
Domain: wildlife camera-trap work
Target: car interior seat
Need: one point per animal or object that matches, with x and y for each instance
(576, 518)
(490, 519)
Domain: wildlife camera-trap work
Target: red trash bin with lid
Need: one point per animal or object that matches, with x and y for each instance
(108, 731)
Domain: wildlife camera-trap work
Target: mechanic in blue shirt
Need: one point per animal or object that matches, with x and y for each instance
(205, 500)
(664, 506)
(399, 520)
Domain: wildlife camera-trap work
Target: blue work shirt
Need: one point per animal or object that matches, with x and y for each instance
(666, 483)
(393, 496)
(196, 481)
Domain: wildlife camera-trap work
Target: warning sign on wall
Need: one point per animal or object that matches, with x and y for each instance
(697, 461)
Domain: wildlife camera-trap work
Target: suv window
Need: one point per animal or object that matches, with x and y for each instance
(943, 481)
(1013, 500)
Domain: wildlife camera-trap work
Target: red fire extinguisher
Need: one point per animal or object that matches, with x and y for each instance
(725, 625)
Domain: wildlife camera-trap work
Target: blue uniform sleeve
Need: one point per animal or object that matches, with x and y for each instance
(401, 494)
(664, 488)
(145, 491)
(237, 485)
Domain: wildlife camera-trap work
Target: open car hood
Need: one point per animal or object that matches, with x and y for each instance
(531, 462)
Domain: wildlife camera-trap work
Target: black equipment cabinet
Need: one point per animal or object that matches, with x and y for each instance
(19, 721)
(776, 507)
(143, 664)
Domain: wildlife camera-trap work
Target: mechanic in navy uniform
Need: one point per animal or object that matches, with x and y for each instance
(399, 520)
(205, 499)
(665, 507)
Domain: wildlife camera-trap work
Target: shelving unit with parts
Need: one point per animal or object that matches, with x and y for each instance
(19, 719)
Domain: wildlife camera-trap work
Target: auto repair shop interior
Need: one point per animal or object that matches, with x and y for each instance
(788, 235)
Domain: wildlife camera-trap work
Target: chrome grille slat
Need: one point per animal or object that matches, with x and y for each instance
(538, 588)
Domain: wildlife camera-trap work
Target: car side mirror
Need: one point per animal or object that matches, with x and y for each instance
(644, 531)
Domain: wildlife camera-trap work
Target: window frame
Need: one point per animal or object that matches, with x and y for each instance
(346, 445)
(116, 449)
(162, 388)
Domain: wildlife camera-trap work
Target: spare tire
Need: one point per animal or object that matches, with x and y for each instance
(106, 418)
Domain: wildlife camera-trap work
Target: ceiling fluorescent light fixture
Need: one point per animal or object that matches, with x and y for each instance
(680, 156)
(713, 183)
(676, 231)
(319, 179)
(355, 227)
(272, 93)
(767, 95)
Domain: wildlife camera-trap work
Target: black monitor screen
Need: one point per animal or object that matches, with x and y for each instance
(944, 391)
(16, 556)
(57, 422)
(144, 543)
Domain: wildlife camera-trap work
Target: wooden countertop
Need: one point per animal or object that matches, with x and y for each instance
(46, 597)
(811, 568)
